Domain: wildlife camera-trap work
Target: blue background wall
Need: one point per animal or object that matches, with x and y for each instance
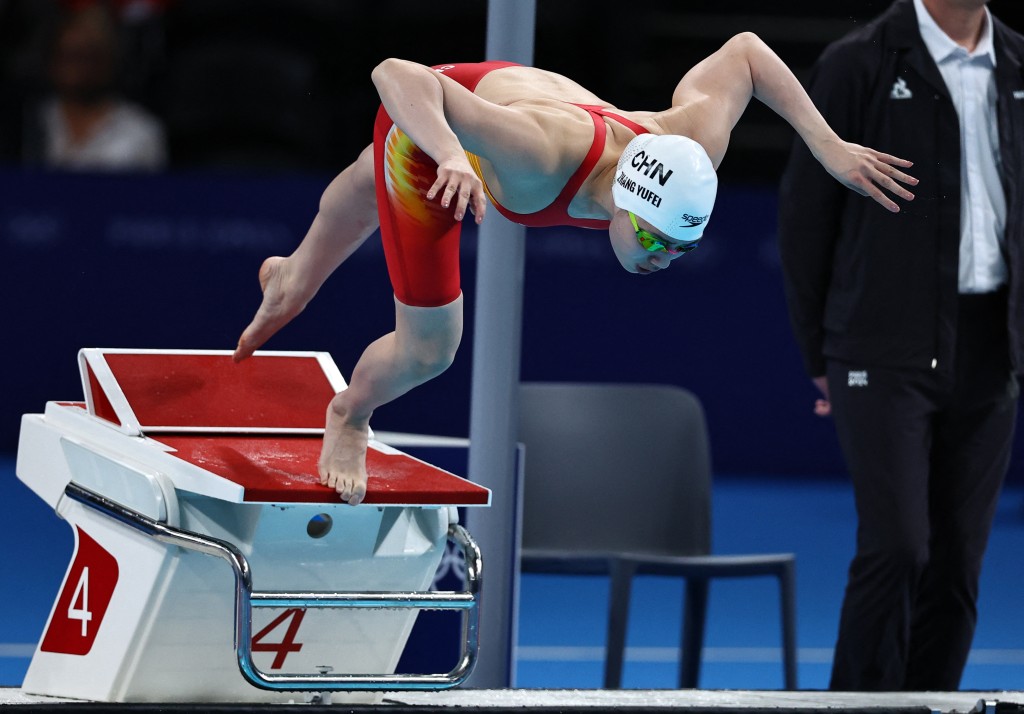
(170, 261)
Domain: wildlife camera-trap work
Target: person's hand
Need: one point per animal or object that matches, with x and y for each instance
(281, 302)
(457, 181)
(867, 171)
(822, 407)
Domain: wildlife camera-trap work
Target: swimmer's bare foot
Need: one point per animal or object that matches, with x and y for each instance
(342, 462)
(281, 302)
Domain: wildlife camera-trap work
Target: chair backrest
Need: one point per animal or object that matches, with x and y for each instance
(614, 468)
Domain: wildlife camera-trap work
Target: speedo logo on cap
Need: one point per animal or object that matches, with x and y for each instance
(650, 167)
(693, 221)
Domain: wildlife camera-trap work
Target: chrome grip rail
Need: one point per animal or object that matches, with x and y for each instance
(246, 599)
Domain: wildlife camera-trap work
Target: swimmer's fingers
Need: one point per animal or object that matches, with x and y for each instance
(868, 172)
(889, 174)
(883, 174)
(458, 190)
(478, 205)
(892, 160)
(866, 187)
(456, 182)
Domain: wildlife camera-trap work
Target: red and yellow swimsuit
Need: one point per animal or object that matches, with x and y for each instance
(421, 239)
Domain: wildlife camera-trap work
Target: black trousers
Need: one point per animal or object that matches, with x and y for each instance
(927, 451)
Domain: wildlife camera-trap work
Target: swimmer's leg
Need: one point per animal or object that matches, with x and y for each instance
(347, 217)
(422, 346)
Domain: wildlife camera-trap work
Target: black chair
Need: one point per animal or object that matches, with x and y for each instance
(618, 482)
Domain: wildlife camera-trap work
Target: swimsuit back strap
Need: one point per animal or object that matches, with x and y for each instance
(577, 179)
(596, 149)
(628, 123)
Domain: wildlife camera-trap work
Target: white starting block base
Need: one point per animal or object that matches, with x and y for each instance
(168, 631)
(192, 442)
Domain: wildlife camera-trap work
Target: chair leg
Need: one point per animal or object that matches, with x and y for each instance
(694, 614)
(787, 593)
(618, 618)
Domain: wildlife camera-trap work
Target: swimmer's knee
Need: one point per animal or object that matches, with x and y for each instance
(430, 359)
(428, 337)
(426, 369)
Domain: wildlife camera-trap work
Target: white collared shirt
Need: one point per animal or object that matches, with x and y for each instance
(970, 79)
(128, 139)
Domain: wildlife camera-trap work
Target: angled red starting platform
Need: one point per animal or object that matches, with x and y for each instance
(257, 423)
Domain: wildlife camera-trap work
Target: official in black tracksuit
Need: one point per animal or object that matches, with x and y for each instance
(914, 346)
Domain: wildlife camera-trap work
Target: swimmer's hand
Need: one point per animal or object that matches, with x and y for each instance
(867, 171)
(281, 303)
(457, 181)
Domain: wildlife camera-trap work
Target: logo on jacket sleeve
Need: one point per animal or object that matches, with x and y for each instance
(900, 90)
(857, 378)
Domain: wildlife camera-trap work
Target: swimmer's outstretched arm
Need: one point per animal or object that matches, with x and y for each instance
(746, 67)
(414, 98)
(445, 120)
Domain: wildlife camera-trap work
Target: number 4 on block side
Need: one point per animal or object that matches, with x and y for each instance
(83, 600)
(79, 607)
(287, 643)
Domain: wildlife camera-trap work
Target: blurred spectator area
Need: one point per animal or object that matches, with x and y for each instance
(259, 83)
(285, 84)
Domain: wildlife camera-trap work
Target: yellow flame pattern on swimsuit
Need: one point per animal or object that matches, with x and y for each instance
(409, 174)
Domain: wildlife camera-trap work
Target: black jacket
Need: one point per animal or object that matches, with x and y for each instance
(872, 287)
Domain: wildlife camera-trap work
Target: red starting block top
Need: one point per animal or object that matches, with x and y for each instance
(283, 469)
(258, 423)
(151, 391)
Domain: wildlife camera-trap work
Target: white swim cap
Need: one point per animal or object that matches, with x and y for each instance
(668, 181)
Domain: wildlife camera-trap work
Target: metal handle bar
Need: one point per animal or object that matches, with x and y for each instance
(246, 599)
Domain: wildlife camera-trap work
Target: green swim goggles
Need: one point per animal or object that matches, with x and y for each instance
(652, 243)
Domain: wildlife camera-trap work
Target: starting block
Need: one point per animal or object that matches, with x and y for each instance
(210, 565)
